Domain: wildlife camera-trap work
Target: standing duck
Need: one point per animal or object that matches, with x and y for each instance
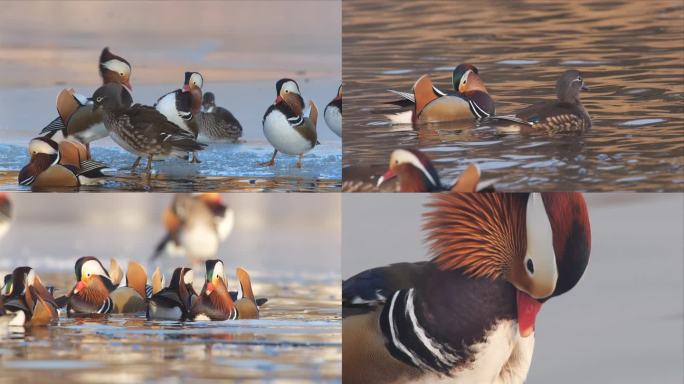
(142, 130)
(217, 123)
(90, 295)
(174, 302)
(214, 302)
(468, 315)
(410, 170)
(430, 105)
(28, 301)
(566, 115)
(182, 106)
(333, 113)
(284, 123)
(131, 297)
(78, 118)
(63, 164)
(5, 213)
(195, 225)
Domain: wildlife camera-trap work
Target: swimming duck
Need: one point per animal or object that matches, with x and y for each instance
(410, 170)
(5, 213)
(78, 118)
(90, 295)
(217, 123)
(174, 302)
(214, 302)
(28, 302)
(467, 315)
(64, 164)
(285, 126)
(245, 303)
(566, 115)
(196, 225)
(183, 105)
(333, 113)
(131, 297)
(142, 130)
(430, 105)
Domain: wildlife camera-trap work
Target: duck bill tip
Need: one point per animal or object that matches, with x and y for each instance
(386, 176)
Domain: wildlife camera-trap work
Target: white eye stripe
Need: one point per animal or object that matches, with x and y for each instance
(404, 156)
(92, 267)
(117, 66)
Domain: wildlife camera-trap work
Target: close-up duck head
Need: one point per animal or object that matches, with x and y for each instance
(569, 85)
(540, 243)
(216, 278)
(44, 153)
(466, 78)
(413, 170)
(109, 96)
(287, 90)
(193, 80)
(91, 276)
(115, 69)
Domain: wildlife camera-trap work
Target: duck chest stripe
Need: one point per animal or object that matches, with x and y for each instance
(477, 111)
(106, 306)
(407, 341)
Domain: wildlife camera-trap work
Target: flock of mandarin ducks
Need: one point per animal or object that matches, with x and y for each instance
(173, 127)
(412, 171)
(195, 224)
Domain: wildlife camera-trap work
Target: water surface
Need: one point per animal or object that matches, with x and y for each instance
(631, 56)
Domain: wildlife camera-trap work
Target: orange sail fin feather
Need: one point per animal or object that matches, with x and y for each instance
(478, 232)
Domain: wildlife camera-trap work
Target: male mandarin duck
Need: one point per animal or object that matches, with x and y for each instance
(195, 225)
(214, 301)
(64, 164)
(430, 105)
(411, 170)
(467, 315)
(183, 105)
(285, 126)
(78, 118)
(216, 123)
(28, 303)
(565, 115)
(90, 295)
(140, 129)
(175, 301)
(333, 113)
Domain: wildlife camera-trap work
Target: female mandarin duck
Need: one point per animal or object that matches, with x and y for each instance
(468, 315)
(90, 295)
(410, 170)
(175, 301)
(78, 119)
(216, 123)
(64, 164)
(565, 115)
(28, 303)
(285, 126)
(430, 105)
(214, 301)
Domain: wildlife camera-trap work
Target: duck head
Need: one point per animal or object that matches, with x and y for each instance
(339, 93)
(115, 69)
(44, 153)
(193, 80)
(208, 102)
(414, 171)
(109, 96)
(540, 243)
(287, 90)
(569, 85)
(466, 78)
(92, 279)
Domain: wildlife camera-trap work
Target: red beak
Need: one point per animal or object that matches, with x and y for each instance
(79, 287)
(278, 100)
(186, 88)
(128, 85)
(528, 308)
(338, 98)
(388, 175)
(210, 288)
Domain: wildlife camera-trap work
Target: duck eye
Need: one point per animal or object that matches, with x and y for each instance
(88, 274)
(530, 266)
(99, 99)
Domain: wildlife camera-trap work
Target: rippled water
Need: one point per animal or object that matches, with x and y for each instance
(297, 339)
(631, 55)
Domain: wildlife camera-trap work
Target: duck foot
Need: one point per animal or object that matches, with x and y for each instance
(195, 160)
(271, 162)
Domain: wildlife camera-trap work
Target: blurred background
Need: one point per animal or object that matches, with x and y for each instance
(624, 320)
(275, 234)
